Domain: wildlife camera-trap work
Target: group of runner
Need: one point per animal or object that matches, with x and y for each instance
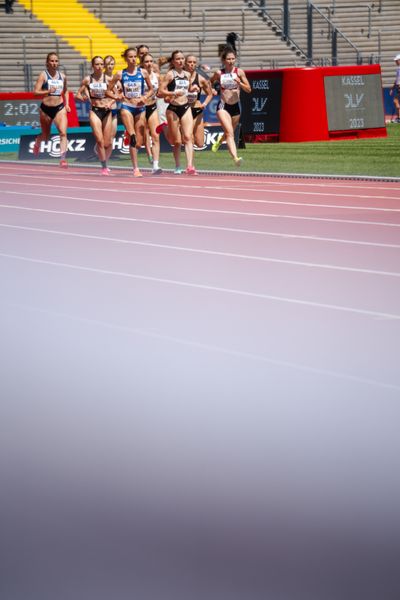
(148, 103)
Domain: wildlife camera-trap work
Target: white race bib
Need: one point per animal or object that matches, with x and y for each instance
(55, 86)
(229, 81)
(192, 97)
(133, 89)
(182, 84)
(98, 89)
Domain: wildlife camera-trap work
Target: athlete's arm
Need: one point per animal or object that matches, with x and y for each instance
(243, 81)
(150, 91)
(163, 91)
(37, 90)
(66, 94)
(111, 93)
(207, 89)
(82, 93)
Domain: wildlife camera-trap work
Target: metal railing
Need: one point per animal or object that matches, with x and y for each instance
(163, 39)
(240, 11)
(335, 34)
(25, 38)
(340, 10)
(25, 47)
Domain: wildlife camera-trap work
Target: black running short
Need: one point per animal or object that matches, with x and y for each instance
(178, 109)
(51, 111)
(232, 109)
(101, 111)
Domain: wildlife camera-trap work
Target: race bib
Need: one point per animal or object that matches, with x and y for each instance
(229, 81)
(55, 86)
(133, 89)
(97, 89)
(192, 97)
(182, 84)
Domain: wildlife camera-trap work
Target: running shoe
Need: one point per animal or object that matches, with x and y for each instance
(127, 138)
(157, 171)
(238, 161)
(160, 127)
(63, 164)
(105, 171)
(191, 171)
(150, 158)
(216, 145)
(36, 148)
(178, 171)
(137, 173)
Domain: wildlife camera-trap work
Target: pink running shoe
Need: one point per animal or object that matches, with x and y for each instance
(137, 173)
(105, 171)
(160, 127)
(191, 171)
(63, 164)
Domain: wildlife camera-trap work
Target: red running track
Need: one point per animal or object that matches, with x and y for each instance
(298, 276)
(213, 360)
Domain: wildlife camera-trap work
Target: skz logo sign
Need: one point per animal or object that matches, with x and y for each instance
(52, 146)
(210, 137)
(258, 105)
(353, 100)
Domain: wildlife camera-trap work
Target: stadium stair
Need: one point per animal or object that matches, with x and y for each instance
(71, 21)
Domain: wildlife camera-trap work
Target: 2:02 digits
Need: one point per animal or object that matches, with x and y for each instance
(356, 123)
(22, 108)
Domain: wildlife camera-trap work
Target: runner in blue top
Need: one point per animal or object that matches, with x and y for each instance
(133, 98)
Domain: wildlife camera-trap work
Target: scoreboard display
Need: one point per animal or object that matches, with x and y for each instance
(304, 104)
(20, 111)
(354, 101)
(261, 109)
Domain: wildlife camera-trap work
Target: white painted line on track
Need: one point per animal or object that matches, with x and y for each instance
(267, 259)
(215, 174)
(200, 210)
(327, 181)
(204, 287)
(190, 195)
(211, 348)
(313, 238)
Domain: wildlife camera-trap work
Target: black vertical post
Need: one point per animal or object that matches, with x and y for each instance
(334, 47)
(286, 17)
(309, 33)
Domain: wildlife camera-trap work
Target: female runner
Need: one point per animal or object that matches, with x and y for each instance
(151, 111)
(133, 99)
(231, 80)
(51, 85)
(175, 86)
(198, 84)
(95, 87)
(109, 65)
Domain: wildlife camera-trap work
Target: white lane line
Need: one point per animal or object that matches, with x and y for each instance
(267, 259)
(313, 238)
(209, 347)
(185, 184)
(191, 196)
(257, 181)
(201, 286)
(200, 210)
